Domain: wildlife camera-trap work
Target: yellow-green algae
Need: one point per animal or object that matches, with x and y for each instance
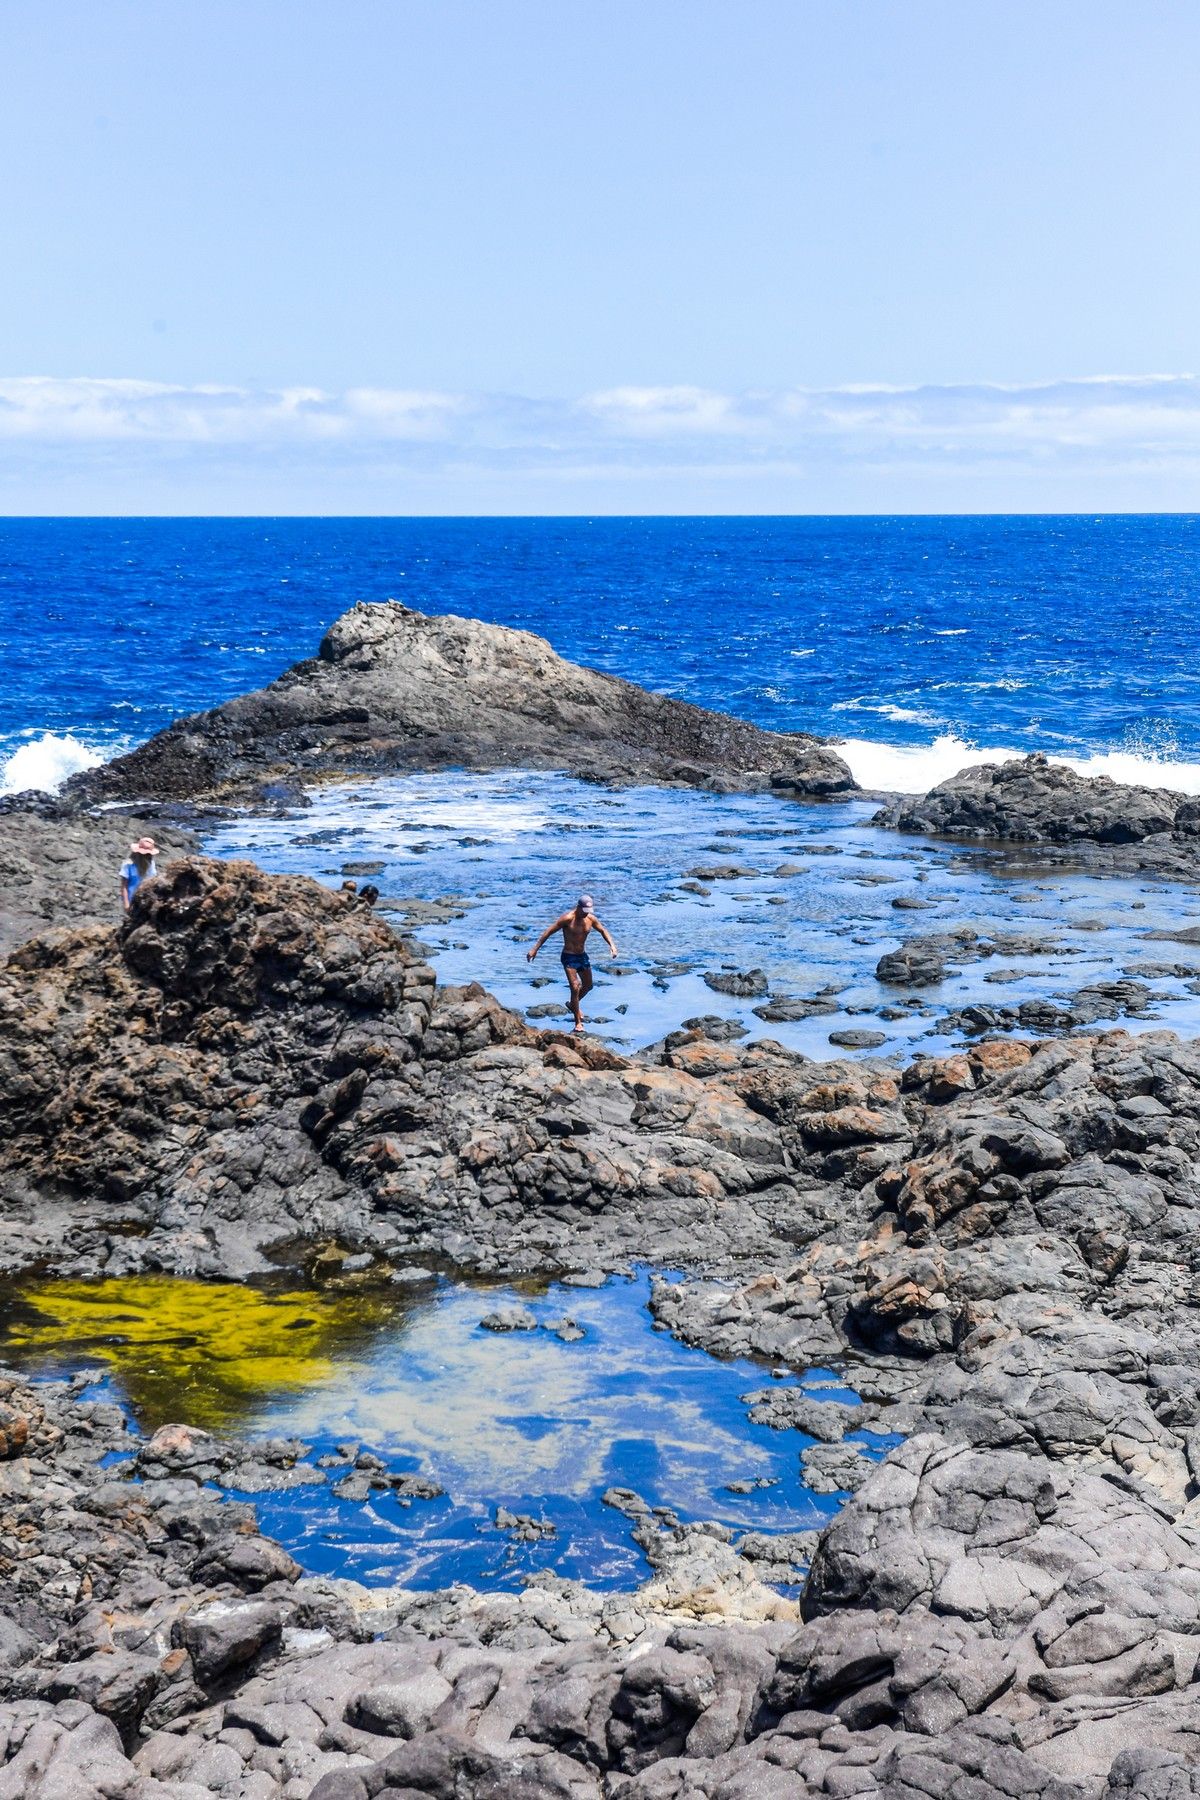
(213, 1353)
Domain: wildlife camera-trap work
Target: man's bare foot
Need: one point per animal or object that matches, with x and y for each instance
(579, 1025)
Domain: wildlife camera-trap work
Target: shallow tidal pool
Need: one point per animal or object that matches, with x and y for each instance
(695, 884)
(528, 1420)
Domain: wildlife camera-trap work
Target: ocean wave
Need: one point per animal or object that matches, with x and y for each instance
(915, 768)
(1005, 684)
(497, 808)
(45, 763)
(900, 715)
(1137, 770)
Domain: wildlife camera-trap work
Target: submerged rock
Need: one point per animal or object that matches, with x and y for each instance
(522, 1526)
(509, 1318)
(790, 1008)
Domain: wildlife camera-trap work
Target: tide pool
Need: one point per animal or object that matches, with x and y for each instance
(528, 1420)
(694, 884)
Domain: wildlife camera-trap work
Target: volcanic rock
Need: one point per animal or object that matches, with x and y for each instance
(1036, 801)
(392, 690)
(996, 1249)
(913, 965)
(59, 865)
(745, 984)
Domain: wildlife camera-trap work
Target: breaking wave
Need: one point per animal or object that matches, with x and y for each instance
(45, 762)
(915, 768)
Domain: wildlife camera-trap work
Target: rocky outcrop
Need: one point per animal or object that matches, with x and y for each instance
(179, 1074)
(253, 1060)
(59, 865)
(1032, 800)
(977, 1622)
(1018, 1259)
(393, 690)
(1002, 1245)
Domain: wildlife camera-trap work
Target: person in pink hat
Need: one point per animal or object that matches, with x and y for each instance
(138, 867)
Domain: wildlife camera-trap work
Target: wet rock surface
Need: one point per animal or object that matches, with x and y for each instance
(392, 689)
(1035, 801)
(999, 1246)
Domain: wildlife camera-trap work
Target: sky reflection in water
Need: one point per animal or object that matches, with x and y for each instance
(522, 1419)
(517, 847)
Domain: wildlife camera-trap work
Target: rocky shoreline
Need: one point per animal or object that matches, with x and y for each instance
(1004, 1243)
(971, 1622)
(394, 691)
(1001, 1246)
(1059, 818)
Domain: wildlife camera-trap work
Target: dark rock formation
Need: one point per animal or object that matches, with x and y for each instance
(1038, 802)
(253, 1060)
(1025, 1245)
(153, 1075)
(748, 984)
(1003, 1245)
(915, 964)
(394, 690)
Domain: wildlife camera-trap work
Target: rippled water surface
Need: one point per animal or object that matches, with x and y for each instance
(916, 638)
(803, 892)
(521, 1419)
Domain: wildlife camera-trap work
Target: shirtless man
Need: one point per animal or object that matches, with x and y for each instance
(575, 960)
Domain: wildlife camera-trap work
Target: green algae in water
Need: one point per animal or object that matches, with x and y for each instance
(215, 1354)
(524, 1419)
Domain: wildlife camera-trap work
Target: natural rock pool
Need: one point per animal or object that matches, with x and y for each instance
(539, 1421)
(695, 884)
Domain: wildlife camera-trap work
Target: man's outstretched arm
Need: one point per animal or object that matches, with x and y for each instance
(548, 933)
(604, 934)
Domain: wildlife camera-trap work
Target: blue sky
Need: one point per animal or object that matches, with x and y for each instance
(679, 255)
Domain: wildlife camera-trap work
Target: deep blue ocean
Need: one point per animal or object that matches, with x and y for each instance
(916, 639)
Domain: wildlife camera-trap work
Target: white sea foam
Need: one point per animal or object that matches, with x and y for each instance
(909, 715)
(495, 807)
(915, 768)
(45, 762)
(1139, 771)
(900, 715)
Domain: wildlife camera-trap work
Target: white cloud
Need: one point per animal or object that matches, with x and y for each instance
(1102, 440)
(89, 409)
(663, 411)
